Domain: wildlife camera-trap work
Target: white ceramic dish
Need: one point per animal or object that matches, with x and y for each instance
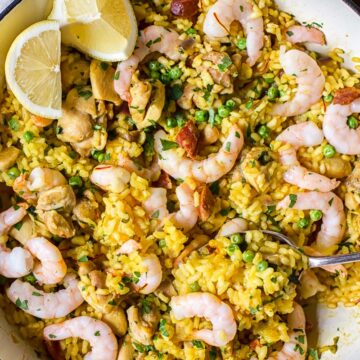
(341, 24)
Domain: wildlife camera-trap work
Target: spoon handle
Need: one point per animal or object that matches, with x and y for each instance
(319, 261)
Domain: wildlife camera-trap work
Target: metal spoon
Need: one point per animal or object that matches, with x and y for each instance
(316, 261)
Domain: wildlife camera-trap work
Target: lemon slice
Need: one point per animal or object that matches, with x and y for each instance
(103, 29)
(32, 69)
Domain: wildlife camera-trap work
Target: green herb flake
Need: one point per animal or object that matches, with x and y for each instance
(299, 349)
(331, 201)
(300, 339)
(225, 63)
(156, 214)
(151, 42)
(314, 354)
(22, 304)
(83, 259)
(117, 75)
(18, 226)
(97, 333)
(162, 328)
(207, 91)
(86, 94)
(52, 336)
(35, 293)
(104, 65)
(14, 124)
(241, 8)
(167, 145)
(198, 344)
(293, 199)
(289, 33)
(237, 134)
(228, 146)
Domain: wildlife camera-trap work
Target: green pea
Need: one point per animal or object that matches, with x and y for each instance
(175, 73)
(241, 43)
(165, 78)
(230, 104)
(194, 286)
(352, 122)
(273, 93)
(315, 215)
(154, 65)
(175, 92)
(180, 119)
(217, 119)
(329, 151)
(232, 248)
(223, 111)
(303, 223)
(28, 136)
(262, 266)
(13, 172)
(155, 75)
(328, 98)
(236, 238)
(75, 181)
(269, 78)
(248, 256)
(171, 123)
(201, 115)
(101, 157)
(264, 131)
(162, 243)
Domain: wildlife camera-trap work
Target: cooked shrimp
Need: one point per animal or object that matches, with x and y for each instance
(10, 217)
(296, 347)
(310, 284)
(212, 309)
(52, 267)
(187, 215)
(151, 39)
(332, 228)
(110, 178)
(299, 34)
(151, 279)
(155, 204)
(336, 130)
(129, 247)
(309, 78)
(233, 226)
(224, 12)
(151, 173)
(97, 333)
(15, 263)
(207, 170)
(41, 179)
(46, 305)
(304, 134)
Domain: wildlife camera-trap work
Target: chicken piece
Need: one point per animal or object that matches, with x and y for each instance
(139, 330)
(188, 138)
(255, 168)
(156, 105)
(126, 350)
(223, 70)
(310, 284)
(57, 224)
(102, 82)
(207, 202)
(8, 157)
(98, 279)
(58, 198)
(74, 71)
(353, 181)
(97, 141)
(336, 167)
(86, 267)
(25, 232)
(81, 99)
(140, 92)
(186, 99)
(86, 213)
(74, 126)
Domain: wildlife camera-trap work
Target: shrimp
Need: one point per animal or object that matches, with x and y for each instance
(129, 247)
(110, 178)
(304, 134)
(336, 130)
(224, 12)
(332, 228)
(15, 263)
(97, 333)
(309, 78)
(151, 279)
(10, 217)
(46, 305)
(296, 347)
(151, 39)
(151, 173)
(298, 34)
(187, 215)
(233, 226)
(52, 267)
(207, 170)
(212, 309)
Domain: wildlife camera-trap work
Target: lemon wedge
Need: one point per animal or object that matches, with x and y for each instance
(32, 69)
(103, 29)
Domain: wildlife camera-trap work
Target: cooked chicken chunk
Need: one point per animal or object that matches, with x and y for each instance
(8, 157)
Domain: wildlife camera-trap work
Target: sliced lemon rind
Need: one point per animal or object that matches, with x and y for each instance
(10, 65)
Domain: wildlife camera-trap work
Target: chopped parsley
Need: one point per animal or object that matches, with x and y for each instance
(331, 201)
(300, 339)
(52, 336)
(314, 354)
(241, 8)
(83, 259)
(151, 42)
(290, 33)
(215, 188)
(145, 306)
(167, 145)
(207, 91)
(22, 304)
(293, 199)
(14, 124)
(35, 293)
(97, 333)
(18, 226)
(162, 328)
(156, 214)
(299, 349)
(104, 65)
(116, 75)
(198, 344)
(228, 146)
(86, 94)
(225, 63)
(237, 134)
